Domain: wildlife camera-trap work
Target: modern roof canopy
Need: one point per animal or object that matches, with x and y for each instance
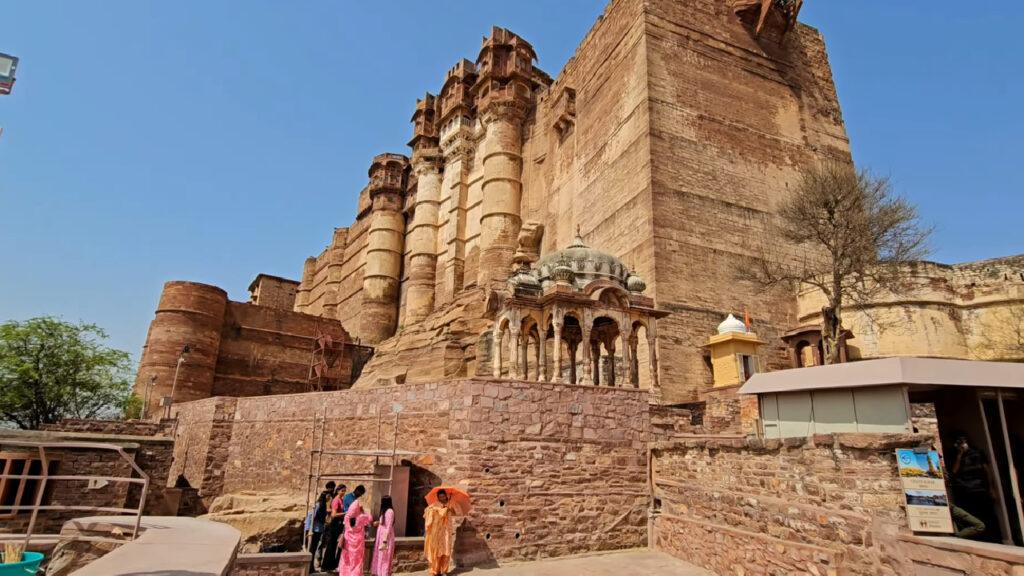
(919, 372)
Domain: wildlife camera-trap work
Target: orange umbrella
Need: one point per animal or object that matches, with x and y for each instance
(458, 500)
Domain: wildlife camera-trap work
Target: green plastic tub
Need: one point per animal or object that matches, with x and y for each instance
(27, 567)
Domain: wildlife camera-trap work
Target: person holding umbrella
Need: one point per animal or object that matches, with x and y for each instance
(444, 502)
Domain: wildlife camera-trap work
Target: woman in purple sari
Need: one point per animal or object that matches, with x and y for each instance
(384, 548)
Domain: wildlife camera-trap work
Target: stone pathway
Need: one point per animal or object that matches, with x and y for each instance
(628, 563)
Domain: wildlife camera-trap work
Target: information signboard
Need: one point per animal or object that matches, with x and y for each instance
(925, 490)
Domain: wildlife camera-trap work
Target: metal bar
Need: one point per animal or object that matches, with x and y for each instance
(394, 450)
(26, 467)
(58, 537)
(44, 477)
(1004, 522)
(40, 489)
(1014, 481)
(309, 478)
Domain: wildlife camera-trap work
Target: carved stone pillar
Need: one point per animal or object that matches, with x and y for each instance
(595, 362)
(496, 345)
(556, 364)
(634, 365)
(422, 238)
(652, 345)
(384, 248)
(542, 368)
(524, 350)
(514, 347)
(588, 362)
(611, 363)
(573, 379)
(500, 217)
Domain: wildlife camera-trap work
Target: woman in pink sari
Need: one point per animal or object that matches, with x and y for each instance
(384, 548)
(353, 543)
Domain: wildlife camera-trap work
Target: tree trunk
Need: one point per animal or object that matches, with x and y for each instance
(831, 330)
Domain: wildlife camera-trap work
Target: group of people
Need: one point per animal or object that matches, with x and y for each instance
(337, 533)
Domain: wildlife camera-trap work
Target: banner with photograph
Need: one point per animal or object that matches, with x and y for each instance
(925, 490)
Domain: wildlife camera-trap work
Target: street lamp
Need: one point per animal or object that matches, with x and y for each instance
(8, 66)
(168, 401)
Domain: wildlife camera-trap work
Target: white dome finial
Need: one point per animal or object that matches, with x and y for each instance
(732, 324)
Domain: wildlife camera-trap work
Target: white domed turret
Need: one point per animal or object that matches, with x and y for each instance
(732, 324)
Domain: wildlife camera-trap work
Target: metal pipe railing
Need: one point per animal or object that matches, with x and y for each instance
(45, 477)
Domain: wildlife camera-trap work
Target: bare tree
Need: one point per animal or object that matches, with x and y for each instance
(851, 233)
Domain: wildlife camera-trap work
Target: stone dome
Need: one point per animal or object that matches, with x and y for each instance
(635, 284)
(524, 278)
(586, 264)
(732, 324)
(563, 274)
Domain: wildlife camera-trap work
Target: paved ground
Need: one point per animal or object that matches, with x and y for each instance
(629, 563)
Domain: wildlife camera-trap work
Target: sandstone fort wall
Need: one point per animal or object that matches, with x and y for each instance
(235, 349)
(734, 121)
(971, 311)
(553, 469)
(669, 138)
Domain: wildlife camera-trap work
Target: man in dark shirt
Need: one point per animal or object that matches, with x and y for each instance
(969, 478)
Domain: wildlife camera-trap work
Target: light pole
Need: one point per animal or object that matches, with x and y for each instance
(149, 390)
(174, 384)
(8, 66)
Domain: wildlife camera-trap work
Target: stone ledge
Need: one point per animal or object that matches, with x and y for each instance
(1001, 552)
(273, 557)
(853, 441)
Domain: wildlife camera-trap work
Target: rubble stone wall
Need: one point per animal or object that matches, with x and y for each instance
(120, 427)
(824, 505)
(554, 469)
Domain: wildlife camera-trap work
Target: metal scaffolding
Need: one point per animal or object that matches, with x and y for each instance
(316, 454)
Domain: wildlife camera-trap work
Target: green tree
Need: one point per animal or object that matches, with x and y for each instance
(51, 369)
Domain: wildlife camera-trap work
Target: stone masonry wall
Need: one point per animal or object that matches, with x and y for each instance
(823, 505)
(779, 508)
(120, 427)
(200, 443)
(733, 121)
(267, 351)
(537, 457)
(235, 349)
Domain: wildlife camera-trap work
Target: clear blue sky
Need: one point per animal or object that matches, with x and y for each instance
(212, 140)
